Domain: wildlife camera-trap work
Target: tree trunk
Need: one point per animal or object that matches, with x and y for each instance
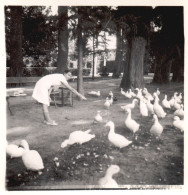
(16, 57)
(125, 82)
(80, 54)
(62, 61)
(133, 70)
(118, 59)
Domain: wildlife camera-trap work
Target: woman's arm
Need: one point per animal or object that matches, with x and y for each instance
(74, 91)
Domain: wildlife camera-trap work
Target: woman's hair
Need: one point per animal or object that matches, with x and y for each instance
(66, 71)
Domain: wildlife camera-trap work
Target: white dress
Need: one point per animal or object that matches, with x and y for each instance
(40, 91)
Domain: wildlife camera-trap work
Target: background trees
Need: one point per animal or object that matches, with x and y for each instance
(144, 34)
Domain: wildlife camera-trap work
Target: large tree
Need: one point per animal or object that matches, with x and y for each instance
(80, 88)
(63, 36)
(137, 22)
(168, 43)
(16, 56)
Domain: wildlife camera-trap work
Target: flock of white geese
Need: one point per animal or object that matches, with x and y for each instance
(142, 98)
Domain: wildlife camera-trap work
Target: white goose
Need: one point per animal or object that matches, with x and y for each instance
(178, 97)
(107, 103)
(179, 112)
(98, 117)
(131, 106)
(131, 124)
(94, 93)
(158, 108)
(156, 128)
(165, 102)
(14, 151)
(107, 181)
(31, 158)
(143, 108)
(179, 124)
(79, 137)
(116, 139)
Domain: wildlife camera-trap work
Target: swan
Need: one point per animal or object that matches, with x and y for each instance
(156, 128)
(98, 117)
(79, 137)
(14, 151)
(131, 124)
(179, 124)
(179, 112)
(116, 139)
(94, 93)
(31, 158)
(107, 181)
(107, 103)
(165, 102)
(131, 106)
(158, 108)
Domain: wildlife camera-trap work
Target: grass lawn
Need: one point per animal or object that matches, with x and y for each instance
(146, 161)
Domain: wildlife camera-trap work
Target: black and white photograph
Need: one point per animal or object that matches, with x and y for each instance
(95, 95)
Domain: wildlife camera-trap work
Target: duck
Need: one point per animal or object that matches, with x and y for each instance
(31, 158)
(179, 124)
(131, 106)
(131, 124)
(165, 102)
(139, 93)
(171, 102)
(176, 105)
(158, 92)
(147, 94)
(111, 100)
(143, 108)
(79, 137)
(116, 139)
(179, 112)
(156, 128)
(107, 181)
(158, 108)
(149, 106)
(14, 151)
(94, 93)
(111, 93)
(107, 103)
(132, 93)
(126, 94)
(177, 97)
(98, 117)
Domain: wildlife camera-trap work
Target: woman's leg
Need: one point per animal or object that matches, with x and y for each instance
(46, 113)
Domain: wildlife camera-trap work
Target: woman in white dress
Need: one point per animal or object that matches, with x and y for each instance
(43, 88)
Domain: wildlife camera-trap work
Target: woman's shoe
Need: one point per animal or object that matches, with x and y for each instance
(53, 123)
